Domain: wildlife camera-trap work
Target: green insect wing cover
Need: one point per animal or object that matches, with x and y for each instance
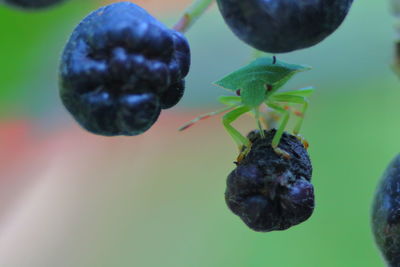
(252, 79)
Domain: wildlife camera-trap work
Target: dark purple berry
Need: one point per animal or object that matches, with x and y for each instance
(267, 191)
(120, 67)
(32, 4)
(172, 96)
(386, 214)
(280, 26)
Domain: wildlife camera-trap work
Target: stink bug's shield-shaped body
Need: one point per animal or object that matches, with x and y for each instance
(254, 85)
(260, 79)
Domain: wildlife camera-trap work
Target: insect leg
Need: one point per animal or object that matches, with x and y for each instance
(281, 128)
(229, 118)
(230, 100)
(305, 92)
(257, 117)
(294, 99)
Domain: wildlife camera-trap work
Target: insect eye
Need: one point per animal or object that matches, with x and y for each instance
(268, 87)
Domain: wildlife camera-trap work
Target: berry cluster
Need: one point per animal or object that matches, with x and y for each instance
(120, 67)
(269, 192)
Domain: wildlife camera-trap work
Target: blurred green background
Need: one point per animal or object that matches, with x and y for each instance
(69, 198)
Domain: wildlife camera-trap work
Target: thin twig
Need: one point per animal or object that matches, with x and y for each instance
(194, 12)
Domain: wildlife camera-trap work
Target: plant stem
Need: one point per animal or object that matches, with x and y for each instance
(256, 54)
(396, 8)
(396, 66)
(191, 15)
(396, 13)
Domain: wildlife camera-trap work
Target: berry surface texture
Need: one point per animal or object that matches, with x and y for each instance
(386, 214)
(120, 68)
(32, 4)
(280, 26)
(269, 192)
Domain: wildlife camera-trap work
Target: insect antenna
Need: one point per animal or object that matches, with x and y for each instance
(204, 116)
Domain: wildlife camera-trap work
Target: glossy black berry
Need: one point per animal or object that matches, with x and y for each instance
(279, 26)
(120, 67)
(32, 4)
(269, 192)
(386, 214)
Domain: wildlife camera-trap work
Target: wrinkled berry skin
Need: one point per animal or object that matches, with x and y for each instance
(386, 213)
(269, 192)
(120, 67)
(32, 4)
(280, 26)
